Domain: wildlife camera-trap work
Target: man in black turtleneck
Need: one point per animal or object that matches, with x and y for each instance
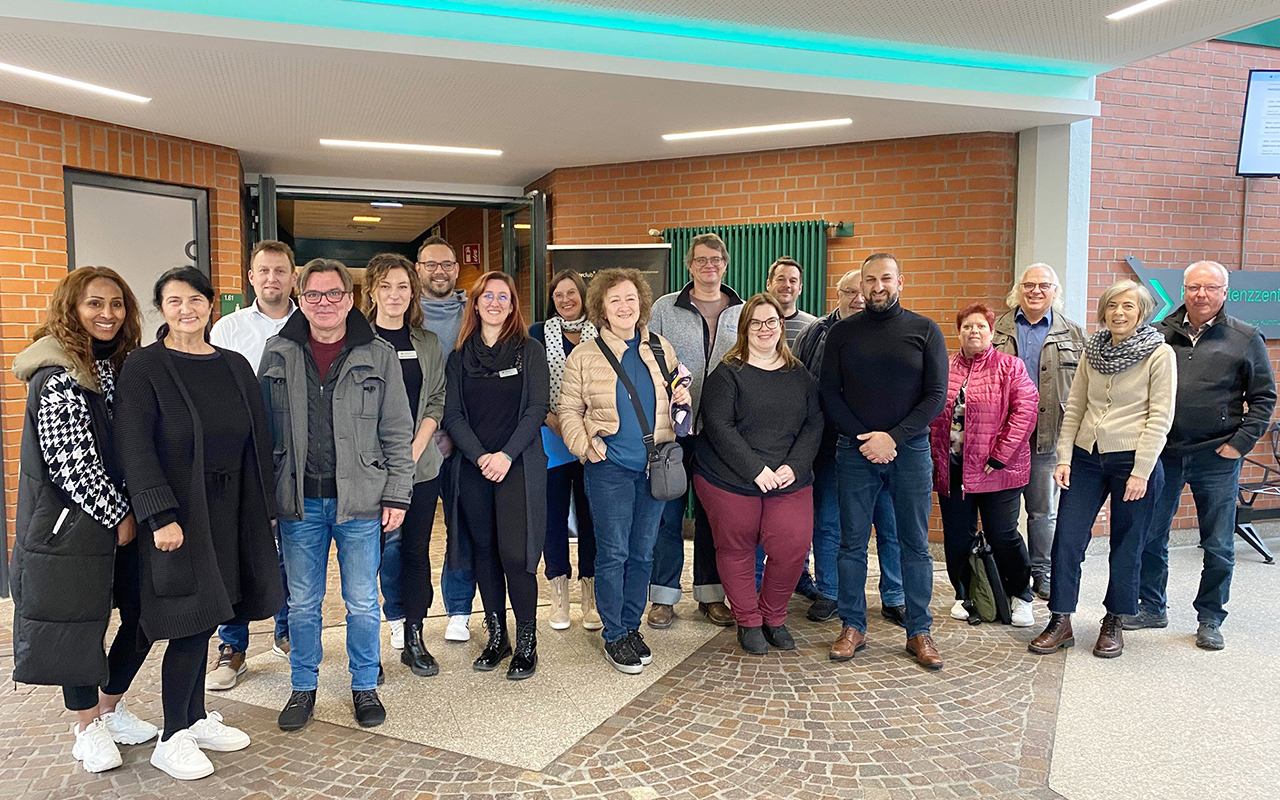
(884, 379)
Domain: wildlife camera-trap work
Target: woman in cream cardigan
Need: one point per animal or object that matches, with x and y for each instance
(1117, 417)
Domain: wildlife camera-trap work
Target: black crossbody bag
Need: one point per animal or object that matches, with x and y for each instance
(667, 479)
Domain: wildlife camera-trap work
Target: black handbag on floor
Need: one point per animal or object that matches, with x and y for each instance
(667, 479)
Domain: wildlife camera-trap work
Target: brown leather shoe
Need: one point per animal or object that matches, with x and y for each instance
(923, 649)
(1111, 638)
(851, 641)
(1056, 636)
(718, 613)
(660, 615)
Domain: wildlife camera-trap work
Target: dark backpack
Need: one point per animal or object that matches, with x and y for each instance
(987, 601)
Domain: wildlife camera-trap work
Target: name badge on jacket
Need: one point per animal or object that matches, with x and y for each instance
(407, 355)
(509, 373)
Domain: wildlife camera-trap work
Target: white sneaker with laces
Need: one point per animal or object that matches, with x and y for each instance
(211, 734)
(126, 728)
(181, 758)
(1021, 615)
(459, 629)
(958, 611)
(94, 748)
(397, 633)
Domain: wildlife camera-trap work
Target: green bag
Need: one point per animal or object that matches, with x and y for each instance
(987, 601)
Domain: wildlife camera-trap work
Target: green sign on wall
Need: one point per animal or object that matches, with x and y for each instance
(1252, 296)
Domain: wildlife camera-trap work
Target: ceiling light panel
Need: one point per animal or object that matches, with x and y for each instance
(1136, 8)
(775, 128)
(412, 148)
(74, 84)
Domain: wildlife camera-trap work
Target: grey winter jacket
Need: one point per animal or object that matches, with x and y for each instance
(676, 319)
(1059, 357)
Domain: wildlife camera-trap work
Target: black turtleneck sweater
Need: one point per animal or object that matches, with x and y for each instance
(884, 371)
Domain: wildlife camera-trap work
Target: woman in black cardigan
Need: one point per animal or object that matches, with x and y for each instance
(497, 390)
(191, 431)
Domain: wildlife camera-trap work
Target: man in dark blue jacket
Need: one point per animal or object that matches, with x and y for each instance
(1226, 393)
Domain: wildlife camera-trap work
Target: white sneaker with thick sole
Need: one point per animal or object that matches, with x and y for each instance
(1020, 615)
(958, 612)
(94, 748)
(181, 758)
(126, 728)
(211, 734)
(459, 629)
(397, 633)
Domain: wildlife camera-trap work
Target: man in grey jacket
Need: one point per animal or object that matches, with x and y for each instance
(341, 430)
(701, 322)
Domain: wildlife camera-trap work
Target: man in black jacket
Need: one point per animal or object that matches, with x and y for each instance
(1226, 393)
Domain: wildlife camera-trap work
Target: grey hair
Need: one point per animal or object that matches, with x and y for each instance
(1146, 303)
(1014, 298)
(1226, 276)
(848, 277)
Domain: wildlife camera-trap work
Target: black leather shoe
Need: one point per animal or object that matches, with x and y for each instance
(895, 614)
(822, 610)
(297, 712)
(415, 655)
(382, 675)
(524, 661)
(499, 646)
(752, 640)
(1040, 586)
(369, 710)
(779, 637)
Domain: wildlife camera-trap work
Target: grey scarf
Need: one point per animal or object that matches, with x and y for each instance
(1109, 359)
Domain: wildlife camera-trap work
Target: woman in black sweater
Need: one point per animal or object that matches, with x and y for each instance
(191, 430)
(753, 471)
(496, 398)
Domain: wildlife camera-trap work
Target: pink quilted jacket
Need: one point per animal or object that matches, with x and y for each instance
(999, 415)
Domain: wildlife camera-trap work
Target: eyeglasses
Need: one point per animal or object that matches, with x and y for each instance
(432, 266)
(849, 292)
(333, 295)
(1044, 287)
(1211, 288)
(715, 261)
(489, 297)
(770, 324)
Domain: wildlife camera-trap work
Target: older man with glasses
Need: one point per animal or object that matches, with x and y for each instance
(1036, 330)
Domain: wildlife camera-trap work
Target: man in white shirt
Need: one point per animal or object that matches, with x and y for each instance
(271, 274)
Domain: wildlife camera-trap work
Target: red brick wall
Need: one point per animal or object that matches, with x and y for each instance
(466, 226)
(35, 145)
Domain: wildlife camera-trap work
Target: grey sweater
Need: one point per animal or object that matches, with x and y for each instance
(677, 319)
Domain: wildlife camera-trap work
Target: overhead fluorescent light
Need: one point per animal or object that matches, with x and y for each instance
(386, 204)
(359, 218)
(782, 126)
(1136, 8)
(61, 81)
(414, 148)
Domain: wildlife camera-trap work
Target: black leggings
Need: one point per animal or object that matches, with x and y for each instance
(182, 681)
(415, 545)
(129, 649)
(495, 516)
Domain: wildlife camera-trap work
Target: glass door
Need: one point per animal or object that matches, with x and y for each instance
(524, 251)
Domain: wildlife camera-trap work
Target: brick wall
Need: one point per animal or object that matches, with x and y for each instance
(465, 225)
(35, 145)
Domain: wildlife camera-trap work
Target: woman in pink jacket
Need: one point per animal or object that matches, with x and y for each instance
(982, 459)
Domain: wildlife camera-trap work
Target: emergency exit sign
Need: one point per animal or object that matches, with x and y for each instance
(471, 255)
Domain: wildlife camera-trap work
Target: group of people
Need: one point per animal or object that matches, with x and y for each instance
(197, 482)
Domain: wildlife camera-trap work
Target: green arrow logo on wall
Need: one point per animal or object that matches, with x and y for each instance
(1164, 310)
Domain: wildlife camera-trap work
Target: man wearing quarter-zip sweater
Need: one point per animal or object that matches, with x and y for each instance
(884, 379)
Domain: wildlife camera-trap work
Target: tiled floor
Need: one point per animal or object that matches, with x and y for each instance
(720, 724)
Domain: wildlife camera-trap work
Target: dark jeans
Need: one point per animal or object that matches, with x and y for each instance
(626, 519)
(909, 480)
(563, 482)
(129, 648)
(415, 555)
(1094, 478)
(237, 635)
(1214, 481)
(494, 515)
(999, 512)
(668, 553)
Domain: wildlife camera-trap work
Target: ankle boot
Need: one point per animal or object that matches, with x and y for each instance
(590, 616)
(1110, 638)
(1056, 635)
(499, 646)
(415, 655)
(525, 661)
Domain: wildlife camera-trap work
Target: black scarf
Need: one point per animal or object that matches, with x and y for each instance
(482, 361)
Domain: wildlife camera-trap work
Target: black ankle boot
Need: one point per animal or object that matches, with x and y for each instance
(499, 646)
(415, 655)
(525, 661)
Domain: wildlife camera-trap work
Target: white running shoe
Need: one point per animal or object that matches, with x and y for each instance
(126, 728)
(1021, 616)
(397, 633)
(211, 734)
(94, 748)
(459, 629)
(181, 757)
(958, 611)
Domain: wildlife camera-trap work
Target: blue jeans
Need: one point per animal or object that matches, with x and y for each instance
(306, 555)
(908, 481)
(389, 577)
(826, 538)
(238, 635)
(1094, 478)
(1214, 481)
(457, 586)
(626, 518)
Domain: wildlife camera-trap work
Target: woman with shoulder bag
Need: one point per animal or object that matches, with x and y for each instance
(600, 424)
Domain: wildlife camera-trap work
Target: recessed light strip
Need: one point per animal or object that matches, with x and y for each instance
(74, 84)
(1136, 8)
(782, 126)
(386, 204)
(414, 148)
(359, 218)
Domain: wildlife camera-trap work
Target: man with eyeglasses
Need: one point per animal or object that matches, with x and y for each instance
(701, 322)
(1226, 393)
(442, 306)
(784, 281)
(1036, 330)
(341, 429)
(826, 496)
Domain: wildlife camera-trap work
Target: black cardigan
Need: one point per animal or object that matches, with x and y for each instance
(161, 447)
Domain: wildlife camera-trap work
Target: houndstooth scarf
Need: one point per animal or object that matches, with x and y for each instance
(553, 331)
(1109, 359)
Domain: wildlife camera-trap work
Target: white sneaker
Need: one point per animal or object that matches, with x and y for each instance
(126, 728)
(1021, 616)
(958, 612)
(397, 633)
(211, 734)
(181, 757)
(459, 629)
(94, 748)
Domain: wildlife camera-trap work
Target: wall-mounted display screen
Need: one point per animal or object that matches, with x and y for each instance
(1260, 132)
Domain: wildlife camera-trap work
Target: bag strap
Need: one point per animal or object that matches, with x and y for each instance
(647, 432)
(655, 344)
